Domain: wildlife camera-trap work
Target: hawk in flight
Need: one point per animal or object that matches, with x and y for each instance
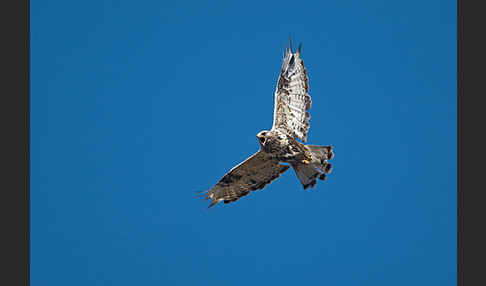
(279, 144)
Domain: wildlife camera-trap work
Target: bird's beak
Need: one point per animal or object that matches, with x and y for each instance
(260, 139)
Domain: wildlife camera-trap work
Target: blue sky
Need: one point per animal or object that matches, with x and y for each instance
(136, 105)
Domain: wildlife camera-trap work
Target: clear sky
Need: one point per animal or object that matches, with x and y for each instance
(136, 105)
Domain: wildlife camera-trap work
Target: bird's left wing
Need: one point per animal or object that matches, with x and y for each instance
(292, 99)
(250, 175)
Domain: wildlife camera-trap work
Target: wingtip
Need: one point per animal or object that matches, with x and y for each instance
(290, 44)
(202, 194)
(299, 49)
(213, 202)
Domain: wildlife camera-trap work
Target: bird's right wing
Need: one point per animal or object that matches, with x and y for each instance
(250, 175)
(292, 100)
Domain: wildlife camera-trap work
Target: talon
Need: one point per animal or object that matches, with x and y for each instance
(307, 162)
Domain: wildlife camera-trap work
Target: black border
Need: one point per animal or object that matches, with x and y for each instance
(27, 143)
(460, 224)
(471, 143)
(15, 138)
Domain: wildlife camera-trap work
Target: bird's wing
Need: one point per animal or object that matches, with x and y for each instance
(292, 99)
(250, 175)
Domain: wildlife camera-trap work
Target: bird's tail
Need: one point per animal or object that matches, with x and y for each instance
(317, 168)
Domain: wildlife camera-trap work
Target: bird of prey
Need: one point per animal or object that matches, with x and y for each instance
(280, 146)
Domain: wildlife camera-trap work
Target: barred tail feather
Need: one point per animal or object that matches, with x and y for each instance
(317, 168)
(321, 155)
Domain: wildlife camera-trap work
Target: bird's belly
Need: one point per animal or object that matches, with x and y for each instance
(283, 151)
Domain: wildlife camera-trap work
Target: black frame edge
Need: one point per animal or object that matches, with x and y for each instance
(15, 135)
(460, 224)
(27, 144)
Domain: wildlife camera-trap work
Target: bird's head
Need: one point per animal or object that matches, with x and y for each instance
(262, 137)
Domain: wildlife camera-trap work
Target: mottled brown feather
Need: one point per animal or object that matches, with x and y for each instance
(250, 175)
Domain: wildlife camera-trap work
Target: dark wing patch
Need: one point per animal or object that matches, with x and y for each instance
(252, 174)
